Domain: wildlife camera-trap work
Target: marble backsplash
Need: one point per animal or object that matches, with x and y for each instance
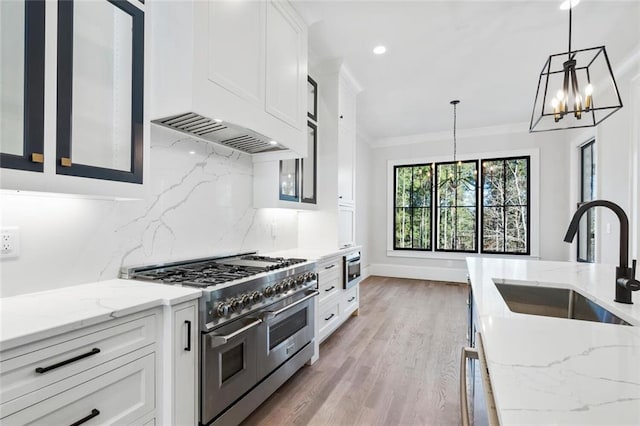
(199, 204)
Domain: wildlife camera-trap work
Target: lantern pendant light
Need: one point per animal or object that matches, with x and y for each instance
(575, 89)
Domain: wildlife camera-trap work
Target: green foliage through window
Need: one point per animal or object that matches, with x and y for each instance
(412, 207)
(441, 200)
(505, 205)
(456, 202)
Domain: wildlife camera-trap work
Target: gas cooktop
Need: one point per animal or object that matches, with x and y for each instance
(210, 272)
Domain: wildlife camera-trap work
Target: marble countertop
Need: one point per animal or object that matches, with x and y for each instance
(312, 254)
(30, 317)
(556, 371)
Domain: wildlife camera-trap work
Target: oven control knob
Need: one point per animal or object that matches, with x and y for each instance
(300, 280)
(280, 287)
(269, 291)
(247, 299)
(256, 296)
(222, 309)
(289, 284)
(236, 304)
(311, 276)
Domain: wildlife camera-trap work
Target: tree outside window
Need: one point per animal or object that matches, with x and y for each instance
(456, 203)
(412, 207)
(505, 205)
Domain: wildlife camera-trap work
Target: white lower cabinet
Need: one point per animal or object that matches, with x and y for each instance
(120, 396)
(140, 369)
(335, 303)
(180, 395)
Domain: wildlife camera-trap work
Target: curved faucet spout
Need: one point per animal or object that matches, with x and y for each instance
(624, 226)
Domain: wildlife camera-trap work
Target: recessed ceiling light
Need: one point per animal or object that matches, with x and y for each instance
(273, 143)
(217, 120)
(192, 152)
(379, 50)
(568, 4)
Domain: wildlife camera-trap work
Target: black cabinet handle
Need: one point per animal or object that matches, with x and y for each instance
(42, 370)
(329, 317)
(330, 266)
(330, 288)
(94, 413)
(188, 347)
(351, 300)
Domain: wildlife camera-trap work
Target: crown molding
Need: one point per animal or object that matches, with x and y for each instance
(447, 135)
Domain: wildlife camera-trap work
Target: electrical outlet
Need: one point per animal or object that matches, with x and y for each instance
(9, 242)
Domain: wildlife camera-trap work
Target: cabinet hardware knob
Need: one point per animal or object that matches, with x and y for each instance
(65, 162)
(37, 157)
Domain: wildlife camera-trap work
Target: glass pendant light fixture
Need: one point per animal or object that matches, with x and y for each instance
(575, 89)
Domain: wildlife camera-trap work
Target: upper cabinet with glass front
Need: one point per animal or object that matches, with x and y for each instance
(22, 40)
(88, 121)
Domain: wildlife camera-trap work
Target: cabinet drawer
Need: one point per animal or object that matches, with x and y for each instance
(350, 300)
(34, 370)
(328, 319)
(332, 264)
(118, 397)
(328, 288)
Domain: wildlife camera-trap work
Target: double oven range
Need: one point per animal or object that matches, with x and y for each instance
(256, 326)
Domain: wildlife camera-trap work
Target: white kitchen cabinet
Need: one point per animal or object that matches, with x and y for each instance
(180, 393)
(87, 128)
(107, 371)
(120, 396)
(238, 61)
(346, 226)
(346, 166)
(286, 74)
(346, 104)
(335, 303)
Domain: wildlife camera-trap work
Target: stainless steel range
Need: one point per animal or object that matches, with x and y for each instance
(257, 325)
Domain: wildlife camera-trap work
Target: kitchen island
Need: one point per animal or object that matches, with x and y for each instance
(546, 370)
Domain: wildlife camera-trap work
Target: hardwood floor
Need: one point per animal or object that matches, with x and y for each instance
(395, 364)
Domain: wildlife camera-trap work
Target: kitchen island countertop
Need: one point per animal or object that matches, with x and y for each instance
(30, 317)
(557, 371)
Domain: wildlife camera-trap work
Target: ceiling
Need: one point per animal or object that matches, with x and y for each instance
(488, 54)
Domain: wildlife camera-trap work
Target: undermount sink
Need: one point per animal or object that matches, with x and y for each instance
(555, 302)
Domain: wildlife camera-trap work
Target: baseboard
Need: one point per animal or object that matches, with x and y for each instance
(418, 272)
(365, 272)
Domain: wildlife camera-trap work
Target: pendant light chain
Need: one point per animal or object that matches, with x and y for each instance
(569, 53)
(455, 119)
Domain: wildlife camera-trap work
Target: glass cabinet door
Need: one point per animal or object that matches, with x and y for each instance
(289, 190)
(309, 166)
(22, 84)
(100, 90)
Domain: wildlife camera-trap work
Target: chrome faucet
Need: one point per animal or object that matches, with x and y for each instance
(625, 277)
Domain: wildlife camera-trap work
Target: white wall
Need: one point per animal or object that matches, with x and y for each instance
(363, 198)
(200, 205)
(553, 205)
(618, 146)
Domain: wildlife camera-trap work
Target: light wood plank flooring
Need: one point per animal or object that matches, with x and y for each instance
(395, 364)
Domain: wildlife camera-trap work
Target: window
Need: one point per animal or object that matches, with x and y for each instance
(438, 206)
(505, 205)
(412, 207)
(587, 229)
(456, 195)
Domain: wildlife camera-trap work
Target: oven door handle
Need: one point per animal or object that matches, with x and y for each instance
(273, 314)
(219, 340)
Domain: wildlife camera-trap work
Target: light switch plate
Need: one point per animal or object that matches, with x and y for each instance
(9, 242)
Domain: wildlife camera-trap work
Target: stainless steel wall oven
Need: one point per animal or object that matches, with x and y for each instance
(352, 269)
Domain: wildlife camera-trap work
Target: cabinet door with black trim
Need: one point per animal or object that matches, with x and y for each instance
(100, 90)
(22, 84)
